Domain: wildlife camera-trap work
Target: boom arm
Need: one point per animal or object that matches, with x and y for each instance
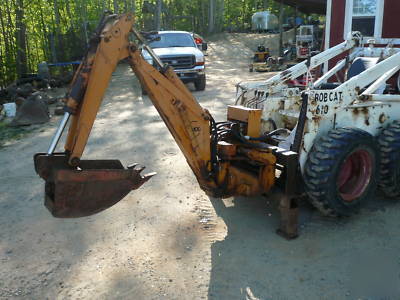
(187, 121)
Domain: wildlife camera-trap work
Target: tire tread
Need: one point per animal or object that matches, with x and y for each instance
(322, 159)
(389, 144)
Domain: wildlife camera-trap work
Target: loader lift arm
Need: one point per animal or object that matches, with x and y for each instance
(220, 155)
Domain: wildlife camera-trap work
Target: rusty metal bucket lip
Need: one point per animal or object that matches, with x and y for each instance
(93, 187)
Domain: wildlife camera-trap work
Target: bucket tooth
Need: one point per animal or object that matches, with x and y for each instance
(140, 168)
(136, 167)
(132, 166)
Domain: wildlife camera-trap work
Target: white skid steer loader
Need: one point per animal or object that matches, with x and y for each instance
(347, 133)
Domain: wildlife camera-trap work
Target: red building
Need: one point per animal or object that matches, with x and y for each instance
(377, 19)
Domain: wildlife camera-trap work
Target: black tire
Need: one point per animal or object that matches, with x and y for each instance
(389, 146)
(200, 83)
(334, 181)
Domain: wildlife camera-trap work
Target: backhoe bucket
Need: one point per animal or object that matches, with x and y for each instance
(91, 188)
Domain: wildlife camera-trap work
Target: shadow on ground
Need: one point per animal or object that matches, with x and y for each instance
(332, 259)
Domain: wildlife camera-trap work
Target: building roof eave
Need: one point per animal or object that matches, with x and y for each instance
(308, 6)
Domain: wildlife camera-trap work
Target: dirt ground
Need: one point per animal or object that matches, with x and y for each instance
(168, 240)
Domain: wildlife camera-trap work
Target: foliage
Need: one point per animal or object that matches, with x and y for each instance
(32, 31)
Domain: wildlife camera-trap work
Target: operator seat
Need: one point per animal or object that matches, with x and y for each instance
(359, 65)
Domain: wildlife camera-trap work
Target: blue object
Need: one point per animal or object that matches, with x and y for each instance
(299, 21)
(63, 64)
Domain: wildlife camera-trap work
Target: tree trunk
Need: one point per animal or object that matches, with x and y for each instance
(3, 70)
(294, 23)
(211, 16)
(116, 7)
(4, 54)
(158, 15)
(243, 15)
(221, 11)
(126, 6)
(11, 24)
(72, 39)
(133, 6)
(45, 39)
(203, 16)
(53, 47)
(281, 28)
(83, 12)
(7, 56)
(58, 38)
(20, 38)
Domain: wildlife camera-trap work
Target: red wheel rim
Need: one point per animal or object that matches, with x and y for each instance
(355, 175)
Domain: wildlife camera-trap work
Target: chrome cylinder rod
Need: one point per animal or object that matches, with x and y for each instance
(58, 134)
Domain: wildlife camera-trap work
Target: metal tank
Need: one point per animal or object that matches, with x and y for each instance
(264, 21)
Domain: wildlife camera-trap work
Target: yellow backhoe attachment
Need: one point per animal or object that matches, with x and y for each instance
(228, 158)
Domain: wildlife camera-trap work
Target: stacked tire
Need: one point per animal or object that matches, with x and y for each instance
(389, 144)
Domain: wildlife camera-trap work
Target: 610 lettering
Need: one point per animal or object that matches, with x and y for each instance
(322, 109)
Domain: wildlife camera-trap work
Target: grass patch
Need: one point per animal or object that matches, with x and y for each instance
(8, 133)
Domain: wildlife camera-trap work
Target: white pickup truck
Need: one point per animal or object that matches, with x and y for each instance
(179, 50)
